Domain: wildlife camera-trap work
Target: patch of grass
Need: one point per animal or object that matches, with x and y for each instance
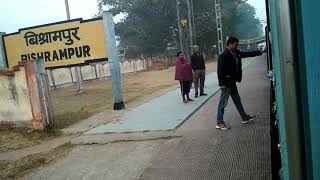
(69, 118)
(44, 135)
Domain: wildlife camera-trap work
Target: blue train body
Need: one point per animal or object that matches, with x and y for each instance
(293, 38)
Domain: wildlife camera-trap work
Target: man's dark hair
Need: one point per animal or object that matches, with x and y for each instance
(178, 54)
(232, 40)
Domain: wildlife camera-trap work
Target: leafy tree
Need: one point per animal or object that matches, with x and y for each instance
(249, 26)
(152, 24)
(149, 23)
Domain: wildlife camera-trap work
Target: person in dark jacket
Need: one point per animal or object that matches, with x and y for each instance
(199, 69)
(230, 72)
(184, 75)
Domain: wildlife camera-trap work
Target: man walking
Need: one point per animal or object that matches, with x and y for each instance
(230, 72)
(199, 68)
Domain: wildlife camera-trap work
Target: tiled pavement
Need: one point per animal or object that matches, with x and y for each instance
(243, 152)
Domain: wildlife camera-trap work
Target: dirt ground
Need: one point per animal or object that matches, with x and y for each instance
(14, 139)
(115, 161)
(69, 108)
(20, 167)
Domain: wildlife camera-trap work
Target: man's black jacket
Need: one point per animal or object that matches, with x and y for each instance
(229, 70)
(197, 62)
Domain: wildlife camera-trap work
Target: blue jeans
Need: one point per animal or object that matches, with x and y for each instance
(225, 93)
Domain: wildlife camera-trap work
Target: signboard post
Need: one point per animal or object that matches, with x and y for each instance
(113, 60)
(3, 63)
(79, 87)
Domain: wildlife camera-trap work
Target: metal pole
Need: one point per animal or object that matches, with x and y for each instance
(185, 41)
(67, 9)
(3, 61)
(190, 27)
(79, 88)
(193, 23)
(179, 26)
(113, 60)
(219, 25)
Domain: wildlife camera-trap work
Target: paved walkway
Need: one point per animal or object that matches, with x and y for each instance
(196, 150)
(163, 113)
(242, 153)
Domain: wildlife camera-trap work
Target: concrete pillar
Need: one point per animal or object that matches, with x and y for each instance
(3, 61)
(80, 74)
(71, 74)
(38, 87)
(144, 64)
(100, 67)
(134, 66)
(113, 60)
(95, 71)
(52, 78)
(131, 66)
(121, 70)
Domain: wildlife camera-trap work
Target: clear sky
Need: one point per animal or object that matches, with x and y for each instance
(260, 8)
(16, 14)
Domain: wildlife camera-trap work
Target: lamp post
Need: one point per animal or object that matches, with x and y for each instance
(79, 88)
(179, 26)
(219, 25)
(190, 26)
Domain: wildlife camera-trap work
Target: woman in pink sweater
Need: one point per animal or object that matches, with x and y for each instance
(184, 75)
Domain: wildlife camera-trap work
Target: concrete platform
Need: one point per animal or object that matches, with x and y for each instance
(166, 112)
(194, 151)
(241, 153)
